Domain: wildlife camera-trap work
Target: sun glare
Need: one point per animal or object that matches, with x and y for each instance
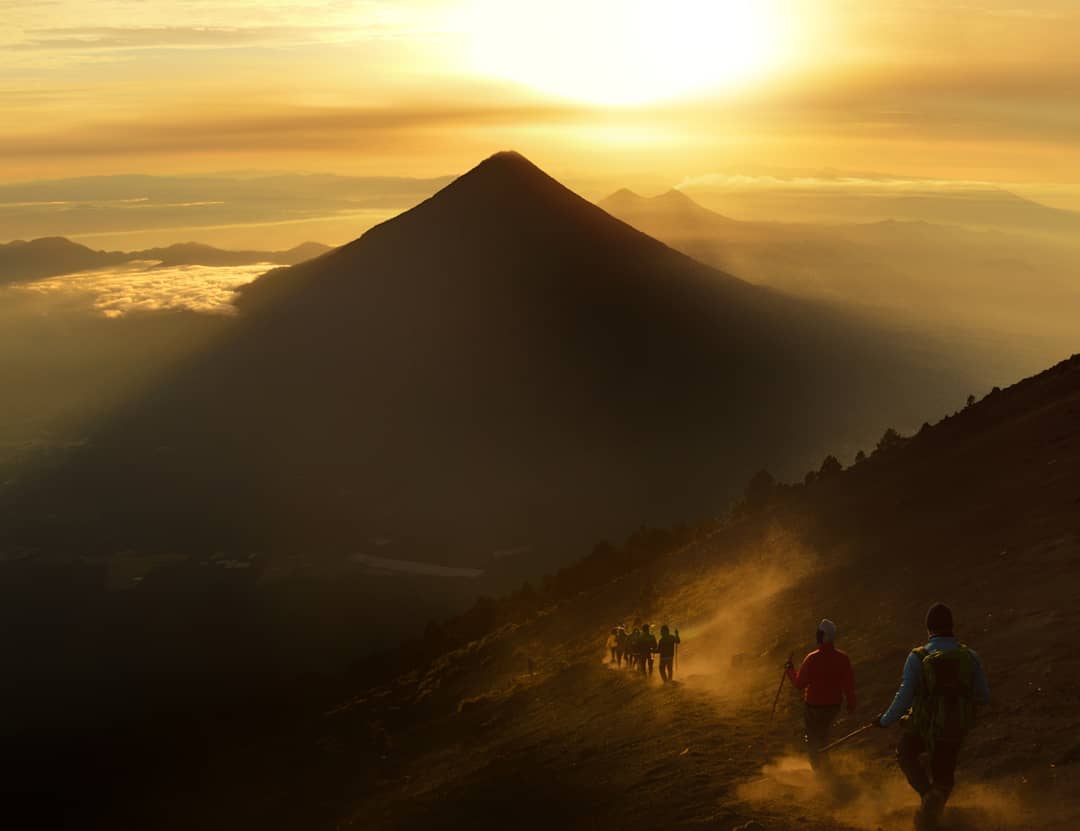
(624, 52)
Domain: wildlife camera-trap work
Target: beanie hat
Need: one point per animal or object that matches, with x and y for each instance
(939, 619)
(828, 631)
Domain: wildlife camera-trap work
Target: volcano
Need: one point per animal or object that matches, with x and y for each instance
(505, 364)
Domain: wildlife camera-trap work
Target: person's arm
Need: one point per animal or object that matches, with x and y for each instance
(849, 687)
(981, 685)
(801, 677)
(906, 694)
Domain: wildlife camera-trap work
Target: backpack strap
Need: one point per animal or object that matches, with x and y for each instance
(921, 652)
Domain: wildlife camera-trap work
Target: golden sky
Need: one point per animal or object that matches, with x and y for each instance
(985, 90)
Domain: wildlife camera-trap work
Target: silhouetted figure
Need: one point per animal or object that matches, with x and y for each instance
(826, 679)
(943, 681)
(620, 643)
(646, 648)
(613, 644)
(633, 643)
(666, 648)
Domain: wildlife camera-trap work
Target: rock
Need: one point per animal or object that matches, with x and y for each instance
(753, 825)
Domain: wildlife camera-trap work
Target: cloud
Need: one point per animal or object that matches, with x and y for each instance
(142, 287)
(839, 182)
(70, 39)
(292, 129)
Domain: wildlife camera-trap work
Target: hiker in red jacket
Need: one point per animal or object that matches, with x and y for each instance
(826, 679)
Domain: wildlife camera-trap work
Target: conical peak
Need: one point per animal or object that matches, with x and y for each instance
(506, 181)
(508, 164)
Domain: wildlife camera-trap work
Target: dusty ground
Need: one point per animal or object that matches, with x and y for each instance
(982, 511)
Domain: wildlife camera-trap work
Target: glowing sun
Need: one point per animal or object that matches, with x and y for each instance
(619, 52)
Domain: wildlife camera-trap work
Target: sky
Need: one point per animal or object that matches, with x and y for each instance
(595, 91)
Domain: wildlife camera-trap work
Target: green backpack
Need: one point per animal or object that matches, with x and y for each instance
(944, 706)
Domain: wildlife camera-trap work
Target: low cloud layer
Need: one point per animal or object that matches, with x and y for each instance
(144, 287)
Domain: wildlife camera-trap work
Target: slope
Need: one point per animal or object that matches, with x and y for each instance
(528, 726)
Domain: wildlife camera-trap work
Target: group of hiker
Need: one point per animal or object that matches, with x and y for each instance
(637, 646)
(943, 681)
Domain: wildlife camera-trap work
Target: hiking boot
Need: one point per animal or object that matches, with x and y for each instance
(933, 804)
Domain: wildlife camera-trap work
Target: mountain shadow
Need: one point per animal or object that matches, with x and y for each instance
(503, 364)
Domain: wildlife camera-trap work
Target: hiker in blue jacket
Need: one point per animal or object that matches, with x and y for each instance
(942, 683)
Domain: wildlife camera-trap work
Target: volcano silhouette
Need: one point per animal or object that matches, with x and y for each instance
(503, 364)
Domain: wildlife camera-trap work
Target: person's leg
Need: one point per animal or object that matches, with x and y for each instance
(943, 765)
(908, 754)
(818, 722)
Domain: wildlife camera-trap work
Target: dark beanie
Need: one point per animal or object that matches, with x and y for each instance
(939, 618)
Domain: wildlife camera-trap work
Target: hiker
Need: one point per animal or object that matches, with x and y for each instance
(666, 647)
(620, 644)
(826, 678)
(633, 644)
(942, 683)
(613, 643)
(646, 648)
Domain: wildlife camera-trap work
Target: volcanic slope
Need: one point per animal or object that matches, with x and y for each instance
(505, 365)
(530, 727)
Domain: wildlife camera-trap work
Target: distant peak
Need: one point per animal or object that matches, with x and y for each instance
(675, 195)
(623, 198)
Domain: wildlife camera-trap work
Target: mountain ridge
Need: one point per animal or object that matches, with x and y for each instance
(44, 257)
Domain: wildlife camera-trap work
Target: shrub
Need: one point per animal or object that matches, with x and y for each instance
(890, 440)
(830, 466)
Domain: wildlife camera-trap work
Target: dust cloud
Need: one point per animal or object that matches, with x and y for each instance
(735, 649)
(869, 793)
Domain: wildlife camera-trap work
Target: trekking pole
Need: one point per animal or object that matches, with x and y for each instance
(776, 701)
(850, 735)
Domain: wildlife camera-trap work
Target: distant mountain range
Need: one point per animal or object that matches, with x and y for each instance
(22, 261)
(839, 199)
(977, 284)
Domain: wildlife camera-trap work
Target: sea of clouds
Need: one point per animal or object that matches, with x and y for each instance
(148, 287)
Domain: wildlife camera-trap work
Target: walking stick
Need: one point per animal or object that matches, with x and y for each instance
(850, 735)
(776, 701)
